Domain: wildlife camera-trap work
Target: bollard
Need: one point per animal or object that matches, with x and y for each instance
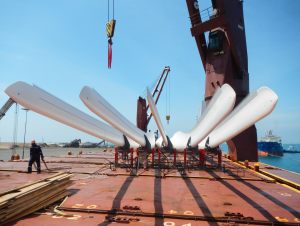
(256, 167)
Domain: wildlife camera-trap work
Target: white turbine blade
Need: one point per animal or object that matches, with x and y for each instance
(220, 105)
(42, 102)
(159, 142)
(180, 140)
(156, 117)
(218, 108)
(254, 107)
(97, 104)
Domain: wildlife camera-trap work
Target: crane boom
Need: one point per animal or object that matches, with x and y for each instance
(142, 108)
(5, 107)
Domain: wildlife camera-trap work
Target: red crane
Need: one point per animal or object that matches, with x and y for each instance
(224, 58)
(142, 118)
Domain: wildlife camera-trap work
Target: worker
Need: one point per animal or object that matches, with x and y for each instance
(35, 155)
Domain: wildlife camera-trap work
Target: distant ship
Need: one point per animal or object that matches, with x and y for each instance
(291, 149)
(270, 145)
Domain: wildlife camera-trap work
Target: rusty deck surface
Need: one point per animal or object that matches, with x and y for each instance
(280, 173)
(101, 196)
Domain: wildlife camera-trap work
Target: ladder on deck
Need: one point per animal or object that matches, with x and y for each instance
(5, 107)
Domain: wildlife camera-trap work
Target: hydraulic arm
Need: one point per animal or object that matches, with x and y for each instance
(5, 107)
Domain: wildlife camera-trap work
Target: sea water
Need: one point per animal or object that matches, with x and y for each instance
(289, 161)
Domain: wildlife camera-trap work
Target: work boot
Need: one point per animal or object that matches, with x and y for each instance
(29, 170)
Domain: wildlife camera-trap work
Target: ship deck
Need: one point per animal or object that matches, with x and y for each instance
(103, 196)
(280, 174)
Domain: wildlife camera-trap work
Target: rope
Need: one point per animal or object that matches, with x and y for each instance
(113, 9)
(107, 10)
(169, 95)
(168, 99)
(15, 134)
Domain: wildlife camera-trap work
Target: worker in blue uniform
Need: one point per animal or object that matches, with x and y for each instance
(35, 155)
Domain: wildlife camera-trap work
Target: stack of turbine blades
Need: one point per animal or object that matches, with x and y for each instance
(253, 108)
(219, 107)
(97, 104)
(215, 122)
(42, 102)
(27, 199)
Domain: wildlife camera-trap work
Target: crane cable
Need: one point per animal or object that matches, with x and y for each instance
(15, 132)
(168, 100)
(110, 28)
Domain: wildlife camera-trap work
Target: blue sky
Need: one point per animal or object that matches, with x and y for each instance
(61, 45)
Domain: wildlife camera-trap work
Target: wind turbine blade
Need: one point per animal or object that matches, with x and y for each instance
(44, 103)
(156, 117)
(218, 108)
(97, 104)
(159, 142)
(180, 140)
(254, 107)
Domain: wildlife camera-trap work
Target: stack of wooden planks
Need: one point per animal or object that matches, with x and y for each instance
(29, 198)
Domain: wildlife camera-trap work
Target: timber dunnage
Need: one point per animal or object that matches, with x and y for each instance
(27, 199)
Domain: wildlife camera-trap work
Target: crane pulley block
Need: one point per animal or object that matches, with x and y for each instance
(110, 28)
(168, 117)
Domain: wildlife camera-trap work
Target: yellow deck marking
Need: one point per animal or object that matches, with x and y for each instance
(252, 171)
(188, 213)
(281, 178)
(169, 223)
(282, 219)
(57, 217)
(173, 212)
(75, 217)
(284, 194)
(91, 207)
(271, 176)
(77, 205)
